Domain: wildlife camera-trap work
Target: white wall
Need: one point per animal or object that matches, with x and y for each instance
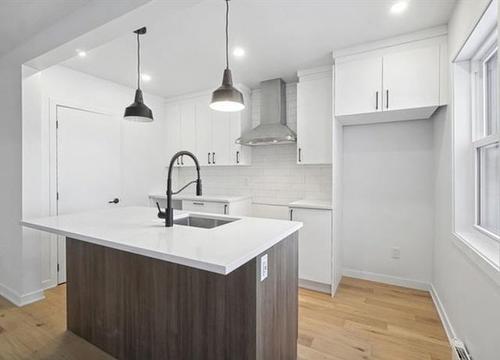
(142, 160)
(274, 176)
(468, 296)
(388, 201)
(18, 277)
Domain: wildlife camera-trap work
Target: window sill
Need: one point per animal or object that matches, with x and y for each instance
(482, 251)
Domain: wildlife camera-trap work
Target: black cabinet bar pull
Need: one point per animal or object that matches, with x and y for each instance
(291, 214)
(237, 157)
(225, 209)
(209, 159)
(182, 160)
(300, 155)
(387, 99)
(213, 158)
(376, 100)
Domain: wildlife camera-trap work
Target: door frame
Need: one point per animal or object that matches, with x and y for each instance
(57, 242)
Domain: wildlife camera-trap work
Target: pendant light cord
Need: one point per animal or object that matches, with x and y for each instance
(227, 34)
(138, 62)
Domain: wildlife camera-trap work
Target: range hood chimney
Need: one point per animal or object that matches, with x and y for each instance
(272, 129)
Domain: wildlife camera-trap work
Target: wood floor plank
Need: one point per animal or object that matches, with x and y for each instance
(365, 321)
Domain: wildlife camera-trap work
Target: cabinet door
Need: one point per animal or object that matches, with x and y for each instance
(205, 206)
(411, 79)
(173, 121)
(203, 132)
(221, 129)
(358, 86)
(188, 130)
(315, 244)
(314, 120)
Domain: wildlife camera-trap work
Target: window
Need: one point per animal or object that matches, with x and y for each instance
(486, 140)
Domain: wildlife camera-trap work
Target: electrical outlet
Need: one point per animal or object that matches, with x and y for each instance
(263, 267)
(395, 253)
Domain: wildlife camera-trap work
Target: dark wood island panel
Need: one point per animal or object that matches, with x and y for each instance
(135, 307)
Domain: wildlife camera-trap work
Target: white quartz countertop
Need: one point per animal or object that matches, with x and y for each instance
(311, 204)
(214, 198)
(138, 230)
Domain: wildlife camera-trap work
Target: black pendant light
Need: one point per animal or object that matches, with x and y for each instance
(138, 111)
(227, 97)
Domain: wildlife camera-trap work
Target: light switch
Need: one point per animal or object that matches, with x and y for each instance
(263, 267)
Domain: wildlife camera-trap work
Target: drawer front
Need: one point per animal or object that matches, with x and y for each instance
(205, 206)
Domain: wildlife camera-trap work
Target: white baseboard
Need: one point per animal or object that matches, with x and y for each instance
(388, 279)
(445, 320)
(20, 300)
(315, 286)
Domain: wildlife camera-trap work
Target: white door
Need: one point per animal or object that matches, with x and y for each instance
(358, 86)
(88, 165)
(411, 79)
(315, 244)
(221, 137)
(314, 120)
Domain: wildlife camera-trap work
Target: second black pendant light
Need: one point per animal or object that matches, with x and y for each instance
(138, 111)
(227, 97)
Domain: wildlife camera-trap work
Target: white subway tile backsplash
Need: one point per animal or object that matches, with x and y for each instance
(274, 176)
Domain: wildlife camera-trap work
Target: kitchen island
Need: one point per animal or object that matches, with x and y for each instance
(139, 290)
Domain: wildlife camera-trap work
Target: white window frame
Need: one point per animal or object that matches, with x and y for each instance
(479, 118)
(478, 244)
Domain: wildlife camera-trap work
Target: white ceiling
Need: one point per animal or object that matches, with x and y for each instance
(22, 19)
(186, 53)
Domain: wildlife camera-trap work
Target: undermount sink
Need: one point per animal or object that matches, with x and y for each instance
(203, 222)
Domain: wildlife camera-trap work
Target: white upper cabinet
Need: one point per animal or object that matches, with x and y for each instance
(411, 78)
(358, 86)
(221, 137)
(314, 116)
(391, 81)
(210, 135)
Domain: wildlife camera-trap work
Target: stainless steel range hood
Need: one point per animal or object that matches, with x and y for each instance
(272, 129)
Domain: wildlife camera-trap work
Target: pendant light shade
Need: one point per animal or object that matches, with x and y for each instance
(227, 97)
(138, 111)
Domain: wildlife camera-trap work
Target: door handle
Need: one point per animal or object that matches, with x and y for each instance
(213, 158)
(237, 157)
(114, 201)
(209, 159)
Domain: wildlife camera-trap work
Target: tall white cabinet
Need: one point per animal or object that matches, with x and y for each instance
(314, 116)
(209, 134)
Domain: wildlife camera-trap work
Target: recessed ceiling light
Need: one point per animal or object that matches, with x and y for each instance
(81, 53)
(146, 77)
(399, 7)
(239, 52)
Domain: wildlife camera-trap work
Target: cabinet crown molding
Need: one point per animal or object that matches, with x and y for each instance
(427, 34)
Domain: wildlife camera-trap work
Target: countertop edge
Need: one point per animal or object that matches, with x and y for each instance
(197, 264)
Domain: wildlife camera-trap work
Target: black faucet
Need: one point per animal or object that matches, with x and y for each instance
(168, 214)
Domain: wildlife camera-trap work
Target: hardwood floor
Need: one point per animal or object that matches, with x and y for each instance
(365, 320)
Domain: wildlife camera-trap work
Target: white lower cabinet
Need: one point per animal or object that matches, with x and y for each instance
(315, 248)
(206, 206)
